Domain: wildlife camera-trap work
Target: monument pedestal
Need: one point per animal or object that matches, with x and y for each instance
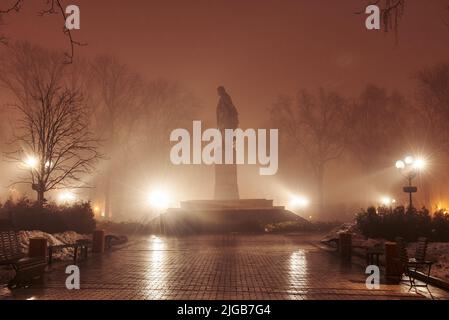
(226, 187)
(225, 216)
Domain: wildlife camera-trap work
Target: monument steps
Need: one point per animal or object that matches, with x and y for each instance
(225, 216)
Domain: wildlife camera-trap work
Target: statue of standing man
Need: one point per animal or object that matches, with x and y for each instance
(227, 115)
(226, 187)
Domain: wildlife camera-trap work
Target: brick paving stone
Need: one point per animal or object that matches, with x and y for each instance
(216, 267)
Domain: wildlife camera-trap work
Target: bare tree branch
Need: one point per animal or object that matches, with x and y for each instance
(391, 11)
(54, 7)
(15, 7)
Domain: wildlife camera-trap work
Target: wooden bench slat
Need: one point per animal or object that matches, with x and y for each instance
(11, 254)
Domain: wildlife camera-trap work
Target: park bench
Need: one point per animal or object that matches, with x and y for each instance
(26, 268)
(81, 245)
(412, 265)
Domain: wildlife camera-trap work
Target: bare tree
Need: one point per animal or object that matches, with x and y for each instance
(134, 117)
(318, 125)
(118, 97)
(167, 105)
(378, 122)
(53, 138)
(433, 105)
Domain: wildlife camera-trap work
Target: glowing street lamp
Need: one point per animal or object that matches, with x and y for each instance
(387, 201)
(98, 211)
(419, 164)
(159, 199)
(31, 162)
(299, 202)
(409, 160)
(400, 164)
(66, 197)
(409, 168)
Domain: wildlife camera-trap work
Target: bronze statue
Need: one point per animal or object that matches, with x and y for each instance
(226, 187)
(227, 115)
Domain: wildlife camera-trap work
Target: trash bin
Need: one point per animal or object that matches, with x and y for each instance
(37, 248)
(393, 267)
(98, 241)
(345, 245)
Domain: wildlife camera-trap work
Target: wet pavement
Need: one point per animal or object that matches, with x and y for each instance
(216, 267)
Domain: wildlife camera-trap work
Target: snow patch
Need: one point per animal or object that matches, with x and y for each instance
(52, 240)
(436, 251)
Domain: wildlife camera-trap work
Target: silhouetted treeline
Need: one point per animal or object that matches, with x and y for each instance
(324, 133)
(96, 127)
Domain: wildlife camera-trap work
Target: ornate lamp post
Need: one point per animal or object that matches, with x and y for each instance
(409, 168)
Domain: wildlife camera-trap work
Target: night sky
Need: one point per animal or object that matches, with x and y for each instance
(257, 49)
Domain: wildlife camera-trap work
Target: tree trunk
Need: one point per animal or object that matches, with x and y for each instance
(40, 197)
(108, 181)
(107, 197)
(320, 188)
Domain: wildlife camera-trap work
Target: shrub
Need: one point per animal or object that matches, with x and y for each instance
(300, 226)
(25, 214)
(440, 225)
(410, 224)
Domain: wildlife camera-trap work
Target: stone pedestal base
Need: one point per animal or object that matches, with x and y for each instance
(226, 187)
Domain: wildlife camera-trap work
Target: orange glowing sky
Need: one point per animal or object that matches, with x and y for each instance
(257, 49)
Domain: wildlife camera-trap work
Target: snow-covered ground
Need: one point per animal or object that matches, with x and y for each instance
(436, 251)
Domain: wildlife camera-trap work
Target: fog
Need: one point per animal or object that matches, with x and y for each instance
(384, 103)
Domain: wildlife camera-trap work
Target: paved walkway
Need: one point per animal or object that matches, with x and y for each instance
(215, 267)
